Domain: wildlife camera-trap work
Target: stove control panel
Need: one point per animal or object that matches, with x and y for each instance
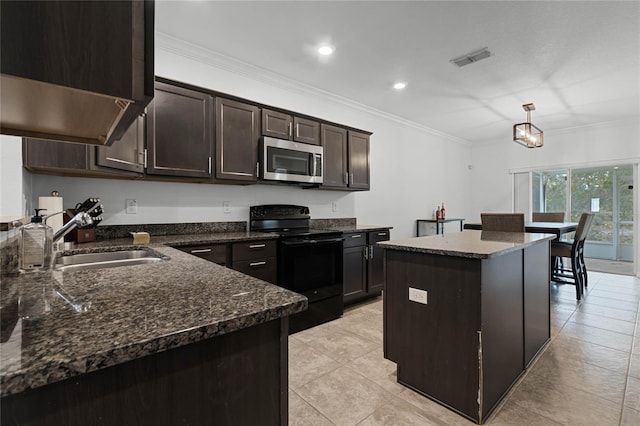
(278, 211)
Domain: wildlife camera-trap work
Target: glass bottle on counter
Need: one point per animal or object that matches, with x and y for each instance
(35, 245)
(438, 213)
(442, 212)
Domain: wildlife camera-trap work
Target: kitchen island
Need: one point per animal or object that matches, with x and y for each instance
(465, 314)
(182, 341)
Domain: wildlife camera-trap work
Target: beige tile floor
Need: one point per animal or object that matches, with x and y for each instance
(588, 375)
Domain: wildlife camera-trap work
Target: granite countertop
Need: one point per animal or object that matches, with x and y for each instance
(356, 228)
(58, 325)
(469, 243)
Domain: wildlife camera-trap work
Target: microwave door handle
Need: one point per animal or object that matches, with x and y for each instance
(312, 165)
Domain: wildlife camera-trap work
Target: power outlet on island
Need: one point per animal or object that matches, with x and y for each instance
(334, 206)
(417, 295)
(226, 208)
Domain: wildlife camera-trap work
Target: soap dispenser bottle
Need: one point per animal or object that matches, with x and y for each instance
(35, 245)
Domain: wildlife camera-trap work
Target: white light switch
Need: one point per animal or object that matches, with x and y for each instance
(417, 295)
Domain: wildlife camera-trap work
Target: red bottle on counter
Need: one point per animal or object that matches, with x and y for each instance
(438, 213)
(442, 214)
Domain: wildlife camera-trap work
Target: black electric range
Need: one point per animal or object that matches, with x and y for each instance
(309, 261)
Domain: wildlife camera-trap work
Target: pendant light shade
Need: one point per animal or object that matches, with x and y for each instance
(527, 134)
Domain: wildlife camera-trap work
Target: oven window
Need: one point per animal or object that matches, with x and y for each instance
(280, 160)
(310, 266)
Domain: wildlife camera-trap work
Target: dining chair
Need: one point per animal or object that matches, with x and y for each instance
(547, 216)
(504, 222)
(573, 250)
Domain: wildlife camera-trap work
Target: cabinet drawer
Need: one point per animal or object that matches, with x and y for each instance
(264, 269)
(355, 239)
(253, 250)
(213, 253)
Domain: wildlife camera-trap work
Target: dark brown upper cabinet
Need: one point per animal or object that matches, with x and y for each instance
(358, 160)
(334, 143)
(124, 158)
(179, 133)
(75, 71)
(285, 126)
(237, 135)
(128, 152)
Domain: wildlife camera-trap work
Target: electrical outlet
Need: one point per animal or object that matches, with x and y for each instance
(417, 295)
(225, 207)
(334, 206)
(131, 206)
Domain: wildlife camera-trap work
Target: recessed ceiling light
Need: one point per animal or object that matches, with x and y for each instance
(325, 50)
(400, 85)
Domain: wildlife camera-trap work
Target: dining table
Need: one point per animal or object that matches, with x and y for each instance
(556, 228)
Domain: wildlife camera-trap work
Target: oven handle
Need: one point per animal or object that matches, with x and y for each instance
(307, 242)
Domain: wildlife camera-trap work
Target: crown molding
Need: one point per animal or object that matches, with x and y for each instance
(206, 56)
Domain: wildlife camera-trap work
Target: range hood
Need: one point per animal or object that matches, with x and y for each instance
(40, 110)
(75, 71)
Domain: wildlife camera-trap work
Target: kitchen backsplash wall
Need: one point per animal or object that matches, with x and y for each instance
(169, 202)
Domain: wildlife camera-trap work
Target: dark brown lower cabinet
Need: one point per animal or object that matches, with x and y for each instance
(239, 378)
(484, 321)
(258, 259)
(363, 262)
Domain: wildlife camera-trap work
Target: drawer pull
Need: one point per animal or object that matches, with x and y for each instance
(255, 246)
(382, 234)
(201, 250)
(357, 236)
(257, 263)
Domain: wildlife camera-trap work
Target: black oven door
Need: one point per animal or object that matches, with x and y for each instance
(311, 267)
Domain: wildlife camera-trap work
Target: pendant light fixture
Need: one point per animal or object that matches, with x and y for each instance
(526, 134)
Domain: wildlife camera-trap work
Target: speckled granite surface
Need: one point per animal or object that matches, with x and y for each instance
(106, 232)
(61, 324)
(364, 228)
(469, 243)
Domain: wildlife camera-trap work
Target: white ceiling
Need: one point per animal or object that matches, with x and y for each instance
(579, 62)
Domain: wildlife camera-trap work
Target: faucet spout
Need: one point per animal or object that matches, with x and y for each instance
(79, 220)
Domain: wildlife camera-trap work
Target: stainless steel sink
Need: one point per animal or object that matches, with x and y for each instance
(107, 259)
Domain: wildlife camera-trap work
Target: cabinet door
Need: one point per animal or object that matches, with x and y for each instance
(307, 131)
(375, 267)
(126, 153)
(354, 266)
(179, 129)
(237, 136)
(276, 124)
(334, 143)
(54, 156)
(358, 160)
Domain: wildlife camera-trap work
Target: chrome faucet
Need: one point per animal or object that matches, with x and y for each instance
(80, 219)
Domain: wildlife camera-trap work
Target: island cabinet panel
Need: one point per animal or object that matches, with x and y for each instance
(179, 132)
(239, 378)
(485, 319)
(435, 345)
(237, 134)
(355, 266)
(537, 324)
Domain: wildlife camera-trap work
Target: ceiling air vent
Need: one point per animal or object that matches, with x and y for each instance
(472, 57)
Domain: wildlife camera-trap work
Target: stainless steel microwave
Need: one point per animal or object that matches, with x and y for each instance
(290, 161)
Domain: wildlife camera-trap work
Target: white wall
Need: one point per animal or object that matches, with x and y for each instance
(12, 190)
(412, 168)
(603, 144)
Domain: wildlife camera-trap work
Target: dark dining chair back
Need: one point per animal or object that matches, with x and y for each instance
(574, 250)
(503, 222)
(547, 216)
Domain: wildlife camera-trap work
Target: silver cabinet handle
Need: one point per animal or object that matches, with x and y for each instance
(257, 263)
(382, 234)
(297, 130)
(289, 128)
(366, 252)
(370, 252)
(356, 236)
(209, 165)
(256, 246)
(201, 250)
(145, 158)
